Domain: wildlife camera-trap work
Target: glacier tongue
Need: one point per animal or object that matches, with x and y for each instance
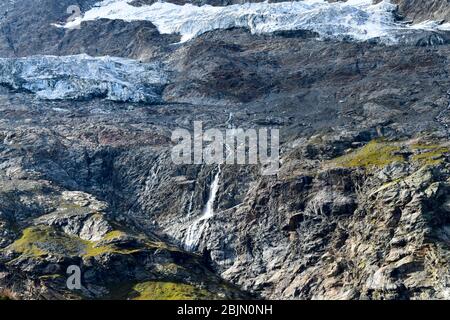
(357, 19)
(82, 76)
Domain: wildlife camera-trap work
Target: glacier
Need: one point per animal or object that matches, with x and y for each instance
(82, 77)
(359, 20)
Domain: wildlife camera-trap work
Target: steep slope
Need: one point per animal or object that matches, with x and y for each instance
(26, 28)
(358, 210)
(422, 10)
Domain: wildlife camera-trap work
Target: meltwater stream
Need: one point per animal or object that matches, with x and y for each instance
(195, 230)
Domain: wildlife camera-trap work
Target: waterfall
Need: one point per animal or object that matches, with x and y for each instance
(195, 230)
(209, 208)
(191, 203)
(228, 122)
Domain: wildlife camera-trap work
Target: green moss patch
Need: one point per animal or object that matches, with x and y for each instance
(93, 250)
(376, 153)
(429, 154)
(379, 153)
(41, 240)
(156, 290)
(116, 234)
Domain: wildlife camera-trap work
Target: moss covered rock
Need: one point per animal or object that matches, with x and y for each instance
(156, 290)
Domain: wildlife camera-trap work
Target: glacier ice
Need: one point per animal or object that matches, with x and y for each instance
(356, 19)
(82, 76)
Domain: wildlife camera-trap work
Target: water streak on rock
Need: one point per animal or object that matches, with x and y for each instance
(195, 231)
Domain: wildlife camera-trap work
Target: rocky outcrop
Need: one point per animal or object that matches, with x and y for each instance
(18, 19)
(422, 10)
(375, 232)
(117, 262)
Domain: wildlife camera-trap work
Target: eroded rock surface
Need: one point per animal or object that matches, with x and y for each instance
(359, 209)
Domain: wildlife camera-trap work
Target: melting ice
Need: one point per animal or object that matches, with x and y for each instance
(82, 76)
(357, 19)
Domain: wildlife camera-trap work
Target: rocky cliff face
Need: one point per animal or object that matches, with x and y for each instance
(420, 10)
(358, 210)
